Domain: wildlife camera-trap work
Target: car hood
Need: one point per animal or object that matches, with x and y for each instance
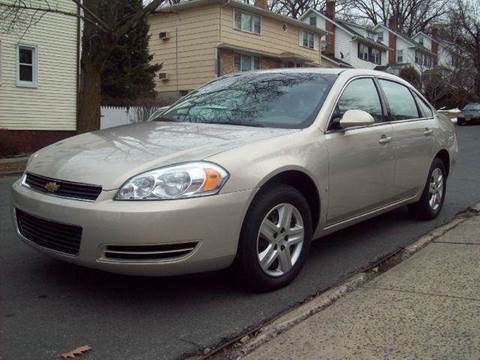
(109, 157)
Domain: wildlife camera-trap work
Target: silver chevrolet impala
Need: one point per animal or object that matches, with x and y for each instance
(243, 172)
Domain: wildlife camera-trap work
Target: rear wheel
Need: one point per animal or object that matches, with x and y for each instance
(460, 122)
(433, 196)
(275, 239)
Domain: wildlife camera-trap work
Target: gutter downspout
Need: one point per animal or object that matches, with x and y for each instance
(78, 65)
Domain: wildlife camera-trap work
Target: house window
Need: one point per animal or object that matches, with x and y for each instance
(307, 39)
(420, 40)
(375, 56)
(246, 62)
(400, 56)
(363, 52)
(369, 54)
(26, 66)
(380, 37)
(313, 21)
(418, 57)
(247, 22)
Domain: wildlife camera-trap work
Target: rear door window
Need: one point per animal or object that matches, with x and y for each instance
(400, 100)
(360, 94)
(425, 109)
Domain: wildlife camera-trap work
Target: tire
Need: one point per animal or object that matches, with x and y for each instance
(273, 239)
(427, 208)
(460, 122)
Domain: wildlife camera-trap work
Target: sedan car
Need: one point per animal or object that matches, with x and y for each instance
(470, 113)
(243, 172)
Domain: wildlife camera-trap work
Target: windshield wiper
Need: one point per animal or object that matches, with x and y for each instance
(238, 124)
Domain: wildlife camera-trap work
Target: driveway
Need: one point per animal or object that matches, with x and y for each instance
(48, 307)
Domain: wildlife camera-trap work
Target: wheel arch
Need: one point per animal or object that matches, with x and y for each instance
(445, 157)
(301, 181)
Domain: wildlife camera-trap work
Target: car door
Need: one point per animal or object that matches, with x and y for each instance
(361, 159)
(413, 128)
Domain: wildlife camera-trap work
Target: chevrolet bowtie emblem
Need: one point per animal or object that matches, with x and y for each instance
(51, 187)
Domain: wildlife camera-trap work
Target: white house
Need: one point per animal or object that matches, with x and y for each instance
(38, 81)
(347, 44)
(422, 51)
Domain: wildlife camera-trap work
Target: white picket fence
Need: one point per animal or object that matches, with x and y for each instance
(112, 116)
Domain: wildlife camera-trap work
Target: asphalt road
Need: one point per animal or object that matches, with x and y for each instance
(48, 307)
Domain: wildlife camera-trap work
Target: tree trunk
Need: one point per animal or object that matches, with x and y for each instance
(94, 50)
(90, 96)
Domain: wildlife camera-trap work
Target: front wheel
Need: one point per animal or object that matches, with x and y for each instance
(433, 196)
(275, 239)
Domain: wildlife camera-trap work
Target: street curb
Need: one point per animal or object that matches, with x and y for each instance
(257, 337)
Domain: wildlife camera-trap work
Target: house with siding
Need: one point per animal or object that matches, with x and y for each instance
(199, 40)
(347, 44)
(38, 82)
(422, 51)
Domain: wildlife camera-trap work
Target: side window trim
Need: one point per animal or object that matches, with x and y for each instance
(332, 112)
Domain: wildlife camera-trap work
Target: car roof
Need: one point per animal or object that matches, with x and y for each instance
(331, 71)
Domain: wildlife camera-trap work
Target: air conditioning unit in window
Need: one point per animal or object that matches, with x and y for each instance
(163, 76)
(164, 35)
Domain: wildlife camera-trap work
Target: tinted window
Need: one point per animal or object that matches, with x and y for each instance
(401, 102)
(284, 100)
(360, 94)
(424, 107)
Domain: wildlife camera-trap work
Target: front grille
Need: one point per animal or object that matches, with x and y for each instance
(49, 234)
(149, 252)
(63, 188)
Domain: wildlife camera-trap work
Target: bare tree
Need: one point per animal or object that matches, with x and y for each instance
(296, 8)
(411, 15)
(104, 24)
(464, 32)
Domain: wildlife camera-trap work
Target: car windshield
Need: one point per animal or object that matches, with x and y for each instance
(281, 100)
(475, 107)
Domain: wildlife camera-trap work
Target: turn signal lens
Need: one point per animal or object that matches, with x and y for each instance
(212, 179)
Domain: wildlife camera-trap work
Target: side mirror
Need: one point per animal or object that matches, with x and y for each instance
(356, 118)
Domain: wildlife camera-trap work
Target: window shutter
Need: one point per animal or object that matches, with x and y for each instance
(300, 38)
(316, 40)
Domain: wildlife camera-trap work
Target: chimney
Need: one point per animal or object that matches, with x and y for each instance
(330, 27)
(393, 23)
(263, 4)
(331, 9)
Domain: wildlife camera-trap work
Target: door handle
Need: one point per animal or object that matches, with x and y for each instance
(385, 139)
(428, 132)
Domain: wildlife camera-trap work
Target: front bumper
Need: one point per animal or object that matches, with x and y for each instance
(213, 222)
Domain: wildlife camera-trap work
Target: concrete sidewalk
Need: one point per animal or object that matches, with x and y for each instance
(427, 307)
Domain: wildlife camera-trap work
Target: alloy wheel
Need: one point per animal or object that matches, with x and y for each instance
(436, 189)
(280, 239)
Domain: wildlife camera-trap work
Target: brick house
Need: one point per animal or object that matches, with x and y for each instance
(199, 40)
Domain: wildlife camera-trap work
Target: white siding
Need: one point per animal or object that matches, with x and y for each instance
(51, 105)
(445, 57)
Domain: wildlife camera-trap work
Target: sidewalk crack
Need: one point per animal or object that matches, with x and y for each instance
(424, 293)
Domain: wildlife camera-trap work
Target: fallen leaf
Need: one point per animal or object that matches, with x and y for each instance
(75, 352)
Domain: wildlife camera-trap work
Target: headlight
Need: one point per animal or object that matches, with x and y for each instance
(175, 182)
